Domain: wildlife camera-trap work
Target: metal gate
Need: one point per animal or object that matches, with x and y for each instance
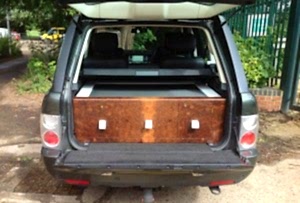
(278, 22)
(296, 87)
(267, 20)
(290, 75)
(296, 96)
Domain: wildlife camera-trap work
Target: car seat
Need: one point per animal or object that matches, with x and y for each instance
(104, 52)
(179, 52)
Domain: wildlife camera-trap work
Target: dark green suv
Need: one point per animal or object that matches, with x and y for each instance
(149, 94)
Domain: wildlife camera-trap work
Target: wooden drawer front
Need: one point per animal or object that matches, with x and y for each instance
(126, 117)
(209, 113)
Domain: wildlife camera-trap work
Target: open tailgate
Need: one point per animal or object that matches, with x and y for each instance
(238, 2)
(152, 9)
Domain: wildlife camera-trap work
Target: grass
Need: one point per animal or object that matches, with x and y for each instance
(33, 33)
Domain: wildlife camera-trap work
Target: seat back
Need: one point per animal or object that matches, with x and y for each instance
(179, 48)
(104, 52)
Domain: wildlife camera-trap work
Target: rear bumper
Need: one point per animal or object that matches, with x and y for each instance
(147, 165)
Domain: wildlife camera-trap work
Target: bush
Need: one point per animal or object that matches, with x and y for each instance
(40, 70)
(4, 48)
(33, 33)
(257, 63)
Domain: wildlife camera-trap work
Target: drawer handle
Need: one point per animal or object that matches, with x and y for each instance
(195, 124)
(148, 124)
(102, 124)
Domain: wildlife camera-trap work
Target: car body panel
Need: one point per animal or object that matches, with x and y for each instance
(94, 165)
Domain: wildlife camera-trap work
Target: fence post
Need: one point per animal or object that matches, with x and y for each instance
(244, 33)
(290, 57)
(8, 29)
(271, 33)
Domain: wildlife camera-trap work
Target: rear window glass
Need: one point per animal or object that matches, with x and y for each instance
(148, 52)
(144, 41)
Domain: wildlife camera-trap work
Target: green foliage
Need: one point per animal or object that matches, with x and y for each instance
(40, 70)
(256, 61)
(35, 14)
(4, 48)
(38, 78)
(33, 33)
(143, 40)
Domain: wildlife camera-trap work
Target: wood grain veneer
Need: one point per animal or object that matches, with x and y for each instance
(171, 119)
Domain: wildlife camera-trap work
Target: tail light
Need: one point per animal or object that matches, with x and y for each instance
(221, 182)
(248, 132)
(77, 182)
(248, 139)
(51, 139)
(50, 126)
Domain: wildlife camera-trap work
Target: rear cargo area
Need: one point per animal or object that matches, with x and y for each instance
(168, 90)
(148, 113)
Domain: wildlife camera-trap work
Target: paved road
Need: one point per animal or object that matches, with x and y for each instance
(13, 66)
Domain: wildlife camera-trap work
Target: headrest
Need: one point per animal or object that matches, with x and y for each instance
(104, 42)
(180, 42)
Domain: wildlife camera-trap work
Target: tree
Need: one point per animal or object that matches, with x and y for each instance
(35, 14)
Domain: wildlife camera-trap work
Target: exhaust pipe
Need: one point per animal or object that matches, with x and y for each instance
(215, 190)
